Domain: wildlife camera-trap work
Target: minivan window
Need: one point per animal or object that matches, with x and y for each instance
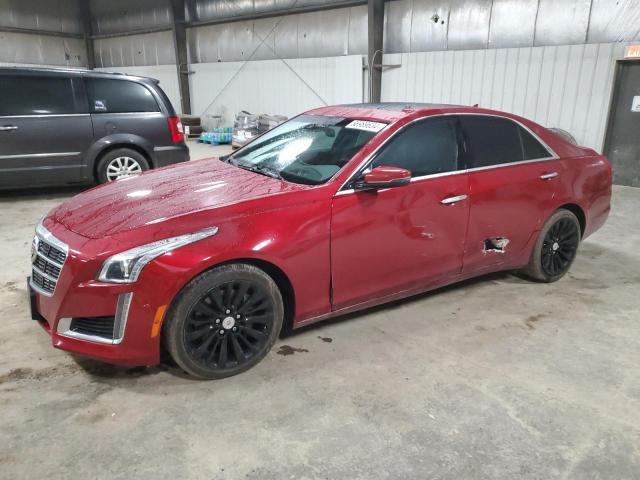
(35, 95)
(425, 148)
(491, 140)
(119, 96)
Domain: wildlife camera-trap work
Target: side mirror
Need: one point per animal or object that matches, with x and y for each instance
(383, 177)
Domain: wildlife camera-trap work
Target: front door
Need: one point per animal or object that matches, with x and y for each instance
(512, 178)
(43, 130)
(403, 238)
(622, 145)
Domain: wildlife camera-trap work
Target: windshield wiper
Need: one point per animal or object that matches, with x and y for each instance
(269, 172)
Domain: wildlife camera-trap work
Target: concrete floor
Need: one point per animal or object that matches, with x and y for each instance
(497, 378)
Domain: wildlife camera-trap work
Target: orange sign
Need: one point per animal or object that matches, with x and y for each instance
(632, 51)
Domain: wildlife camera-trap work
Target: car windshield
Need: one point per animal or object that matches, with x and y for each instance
(309, 149)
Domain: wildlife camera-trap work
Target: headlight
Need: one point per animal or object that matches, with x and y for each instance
(125, 267)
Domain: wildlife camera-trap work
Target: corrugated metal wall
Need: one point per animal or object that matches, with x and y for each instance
(118, 16)
(557, 86)
(52, 15)
(410, 26)
(42, 50)
(135, 50)
(46, 15)
(316, 34)
(207, 10)
(433, 25)
(270, 86)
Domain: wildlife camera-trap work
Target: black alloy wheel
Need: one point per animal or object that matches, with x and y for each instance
(229, 324)
(224, 321)
(560, 246)
(556, 247)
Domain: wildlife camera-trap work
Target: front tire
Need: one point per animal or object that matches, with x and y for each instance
(556, 248)
(224, 321)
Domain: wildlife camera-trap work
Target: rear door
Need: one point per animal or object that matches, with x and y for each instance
(512, 179)
(44, 130)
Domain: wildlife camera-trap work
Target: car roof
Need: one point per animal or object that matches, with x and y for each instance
(387, 111)
(393, 111)
(73, 72)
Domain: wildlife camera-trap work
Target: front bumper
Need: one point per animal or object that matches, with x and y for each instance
(78, 295)
(163, 156)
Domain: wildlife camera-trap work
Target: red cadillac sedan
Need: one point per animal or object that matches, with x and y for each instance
(336, 210)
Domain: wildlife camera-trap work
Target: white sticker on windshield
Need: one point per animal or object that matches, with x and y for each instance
(365, 125)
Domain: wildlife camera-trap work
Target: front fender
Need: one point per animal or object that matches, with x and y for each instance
(295, 239)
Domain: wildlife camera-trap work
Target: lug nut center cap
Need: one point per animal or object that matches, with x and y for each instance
(228, 323)
(555, 246)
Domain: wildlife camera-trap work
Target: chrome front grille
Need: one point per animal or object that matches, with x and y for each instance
(48, 255)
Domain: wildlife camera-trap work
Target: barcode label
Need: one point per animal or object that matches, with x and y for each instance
(365, 125)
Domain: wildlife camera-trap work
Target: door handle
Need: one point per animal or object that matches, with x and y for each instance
(453, 200)
(548, 176)
(7, 128)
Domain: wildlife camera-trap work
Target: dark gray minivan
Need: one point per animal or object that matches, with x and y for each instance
(61, 127)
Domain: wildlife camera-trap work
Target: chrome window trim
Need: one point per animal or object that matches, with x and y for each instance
(146, 112)
(46, 115)
(370, 157)
(40, 155)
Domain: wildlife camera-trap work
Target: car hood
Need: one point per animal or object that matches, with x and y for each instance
(156, 197)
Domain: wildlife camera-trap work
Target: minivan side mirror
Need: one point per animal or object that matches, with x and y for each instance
(383, 177)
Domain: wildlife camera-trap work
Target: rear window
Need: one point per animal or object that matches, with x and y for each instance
(119, 96)
(491, 140)
(533, 149)
(31, 95)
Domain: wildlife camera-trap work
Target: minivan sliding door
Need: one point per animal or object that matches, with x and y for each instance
(43, 130)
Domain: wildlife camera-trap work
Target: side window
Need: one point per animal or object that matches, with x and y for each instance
(532, 148)
(491, 140)
(35, 95)
(424, 148)
(119, 96)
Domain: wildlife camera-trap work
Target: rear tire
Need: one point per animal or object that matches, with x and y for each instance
(224, 321)
(120, 163)
(555, 249)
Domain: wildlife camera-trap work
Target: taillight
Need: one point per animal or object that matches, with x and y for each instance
(175, 126)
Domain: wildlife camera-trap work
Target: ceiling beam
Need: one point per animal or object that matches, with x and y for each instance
(34, 31)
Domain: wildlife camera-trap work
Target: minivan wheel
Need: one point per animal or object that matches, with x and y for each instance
(556, 248)
(120, 163)
(224, 321)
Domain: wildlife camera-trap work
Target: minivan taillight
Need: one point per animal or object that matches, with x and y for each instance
(177, 133)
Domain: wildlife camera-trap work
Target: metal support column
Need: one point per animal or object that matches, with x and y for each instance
(182, 59)
(85, 14)
(376, 35)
